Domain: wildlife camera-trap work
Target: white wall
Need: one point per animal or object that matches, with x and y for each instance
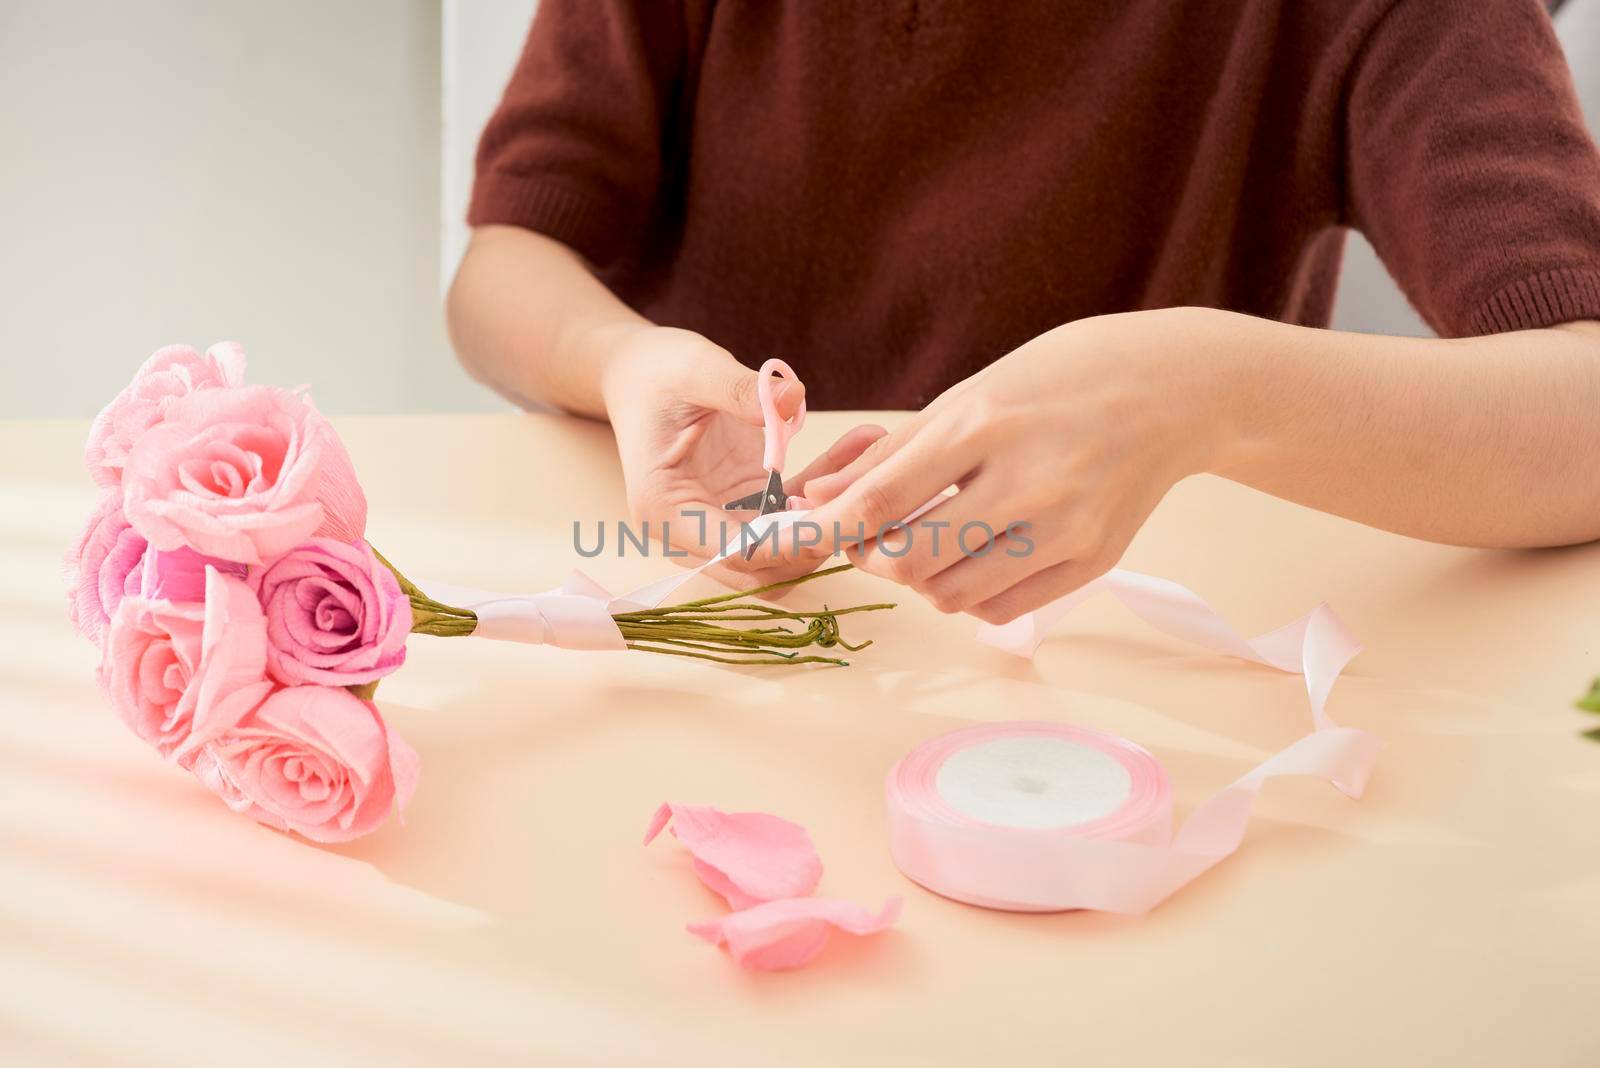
(481, 42)
(185, 170)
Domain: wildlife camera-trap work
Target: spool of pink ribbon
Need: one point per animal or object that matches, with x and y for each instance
(1042, 817)
(972, 813)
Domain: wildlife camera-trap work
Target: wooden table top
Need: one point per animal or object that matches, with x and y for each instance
(1452, 916)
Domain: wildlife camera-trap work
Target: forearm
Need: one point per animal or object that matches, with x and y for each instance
(1491, 441)
(529, 319)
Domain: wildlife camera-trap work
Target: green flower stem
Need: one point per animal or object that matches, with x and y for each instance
(776, 661)
(692, 629)
(407, 587)
(736, 594)
(684, 612)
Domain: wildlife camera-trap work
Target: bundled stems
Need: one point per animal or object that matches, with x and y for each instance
(696, 629)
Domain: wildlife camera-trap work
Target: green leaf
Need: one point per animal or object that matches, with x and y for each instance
(1590, 702)
(1593, 734)
(366, 691)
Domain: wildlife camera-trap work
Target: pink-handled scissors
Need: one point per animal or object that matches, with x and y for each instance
(778, 432)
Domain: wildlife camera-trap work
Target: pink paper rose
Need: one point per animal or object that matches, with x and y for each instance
(242, 474)
(335, 615)
(316, 760)
(110, 560)
(102, 567)
(171, 373)
(179, 674)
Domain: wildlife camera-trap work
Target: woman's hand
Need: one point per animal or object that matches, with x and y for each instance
(689, 434)
(529, 318)
(1060, 451)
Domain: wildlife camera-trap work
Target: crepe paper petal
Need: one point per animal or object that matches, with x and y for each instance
(786, 934)
(747, 857)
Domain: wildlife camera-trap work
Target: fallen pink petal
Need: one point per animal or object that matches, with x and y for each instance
(746, 857)
(786, 934)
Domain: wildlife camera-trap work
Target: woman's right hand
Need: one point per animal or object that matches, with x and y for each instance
(689, 434)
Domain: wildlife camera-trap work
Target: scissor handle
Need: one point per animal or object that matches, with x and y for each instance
(778, 431)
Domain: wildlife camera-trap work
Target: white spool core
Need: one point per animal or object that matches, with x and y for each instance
(1033, 783)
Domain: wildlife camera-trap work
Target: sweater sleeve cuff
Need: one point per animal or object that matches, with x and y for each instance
(1545, 299)
(578, 219)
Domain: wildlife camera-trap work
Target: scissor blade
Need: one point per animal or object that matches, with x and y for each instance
(748, 503)
(769, 498)
(773, 499)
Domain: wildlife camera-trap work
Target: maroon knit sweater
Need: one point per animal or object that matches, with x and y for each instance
(891, 194)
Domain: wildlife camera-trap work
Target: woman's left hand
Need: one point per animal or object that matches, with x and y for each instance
(1060, 451)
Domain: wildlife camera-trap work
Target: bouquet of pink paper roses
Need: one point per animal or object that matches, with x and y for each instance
(244, 622)
(237, 607)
